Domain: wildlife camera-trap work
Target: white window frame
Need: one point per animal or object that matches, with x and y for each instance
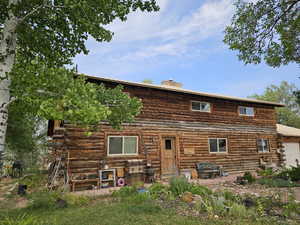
(263, 151)
(251, 115)
(218, 152)
(201, 102)
(123, 154)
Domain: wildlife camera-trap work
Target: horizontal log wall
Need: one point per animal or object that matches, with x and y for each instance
(161, 105)
(85, 152)
(166, 112)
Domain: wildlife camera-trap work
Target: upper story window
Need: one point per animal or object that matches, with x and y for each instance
(246, 111)
(122, 145)
(217, 145)
(200, 106)
(263, 145)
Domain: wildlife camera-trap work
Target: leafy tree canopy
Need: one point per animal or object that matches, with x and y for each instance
(57, 30)
(38, 38)
(266, 30)
(56, 93)
(26, 135)
(284, 93)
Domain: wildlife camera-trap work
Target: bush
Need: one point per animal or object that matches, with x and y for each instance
(76, 200)
(266, 172)
(249, 177)
(230, 196)
(179, 185)
(125, 192)
(43, 199)
(293, 174)
(158, 189)
(238, 211)
(200, 190)
(33, 181)
(277, 182)
(20, 220)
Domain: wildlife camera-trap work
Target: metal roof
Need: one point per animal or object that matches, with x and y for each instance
(288, 131)
(182, 90)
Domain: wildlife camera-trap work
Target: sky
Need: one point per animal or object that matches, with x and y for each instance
(183, 42)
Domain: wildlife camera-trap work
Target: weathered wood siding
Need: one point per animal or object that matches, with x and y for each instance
(169, 113)
(85, 152)
(175, 106)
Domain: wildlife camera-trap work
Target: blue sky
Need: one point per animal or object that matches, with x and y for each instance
(183, 42)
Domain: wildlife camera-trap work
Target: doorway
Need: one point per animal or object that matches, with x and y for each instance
(168, 156)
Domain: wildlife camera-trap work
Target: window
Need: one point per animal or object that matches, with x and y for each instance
(200, 106)
(263, 145)
(246, 111)
(122, 145)
(168, 144)
(217, 145)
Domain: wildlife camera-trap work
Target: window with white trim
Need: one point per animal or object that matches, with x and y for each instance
(246, 111)
(122, 145)
(217, 145)
(263, 145)
(200, 106)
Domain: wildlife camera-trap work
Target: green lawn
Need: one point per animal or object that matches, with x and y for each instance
(102, 212)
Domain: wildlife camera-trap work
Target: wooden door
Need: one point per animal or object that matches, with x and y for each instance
(168, 156)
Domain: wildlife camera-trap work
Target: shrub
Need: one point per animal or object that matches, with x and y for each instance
(179, 185)
(238, 211)
(158, 189)
(20, 220)
(33, 181)
(291, 208)
(293, 174)
(249, 177)
(266, 172)
(125, 192)
(200, 190)
(76, 200)
(230, 196)
(43, 199)
(277, 182)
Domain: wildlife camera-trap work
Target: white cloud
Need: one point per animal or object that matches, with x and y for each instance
(174, 31)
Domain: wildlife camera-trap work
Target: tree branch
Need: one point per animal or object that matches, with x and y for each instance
(266, 33)
(5, 105)
(37, 9)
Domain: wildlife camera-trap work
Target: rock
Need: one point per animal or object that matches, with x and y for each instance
(22, 189)
(187, 197)
(14, 187)
(248, 202)
(60, 203)
(197, 198)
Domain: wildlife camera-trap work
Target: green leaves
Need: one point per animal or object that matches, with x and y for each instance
(56, 31)
(266, 30)
(284, 93)
(59, 94)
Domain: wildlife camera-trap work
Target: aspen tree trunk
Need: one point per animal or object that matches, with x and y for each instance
(8, 41)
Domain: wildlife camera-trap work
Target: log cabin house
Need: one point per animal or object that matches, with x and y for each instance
(176, 129)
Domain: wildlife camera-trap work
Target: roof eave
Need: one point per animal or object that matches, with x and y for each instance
(180, 90)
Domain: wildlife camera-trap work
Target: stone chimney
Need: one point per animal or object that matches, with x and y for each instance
(171, 83)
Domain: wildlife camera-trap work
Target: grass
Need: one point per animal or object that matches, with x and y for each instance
(115, 213)
(161, 205)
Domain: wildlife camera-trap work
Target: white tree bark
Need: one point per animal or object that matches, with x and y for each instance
(8, 42)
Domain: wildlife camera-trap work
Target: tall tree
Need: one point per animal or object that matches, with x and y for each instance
(48, 34)
(26, 135)
(266, 30)
(284, 93)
